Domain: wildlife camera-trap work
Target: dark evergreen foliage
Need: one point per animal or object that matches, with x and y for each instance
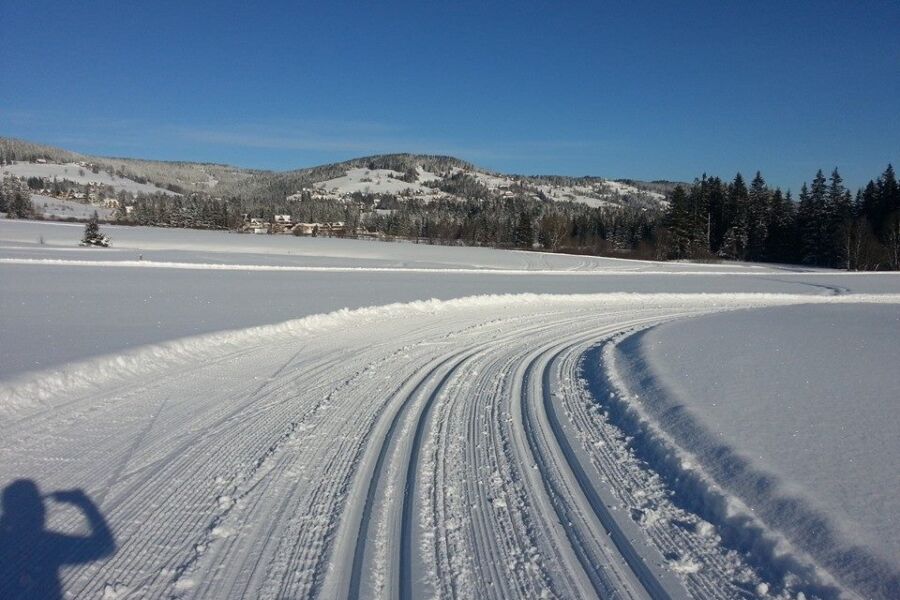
(92, 235)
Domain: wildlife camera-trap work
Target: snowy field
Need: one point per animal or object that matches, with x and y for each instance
(818, 434)
(221, 247)
(280, 417)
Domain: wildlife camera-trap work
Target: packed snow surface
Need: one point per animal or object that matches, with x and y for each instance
(271, 417)
(824, 426)
(61, 303)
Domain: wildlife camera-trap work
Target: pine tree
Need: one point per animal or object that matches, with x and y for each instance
(889, 225)
(699, 218)
(814, 221)
(678, 223)
(758, 205)
(523, 235)
(737, 234)
(15, 199)
(92, 235)
(781, 241)
(868, 203)
(838, 212)
(888, 195)
(716, 199)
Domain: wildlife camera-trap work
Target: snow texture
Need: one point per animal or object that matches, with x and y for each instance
(285, 417)
(800, 404)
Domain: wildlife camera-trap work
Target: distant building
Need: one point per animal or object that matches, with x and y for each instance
(257, 225)
(326, 229)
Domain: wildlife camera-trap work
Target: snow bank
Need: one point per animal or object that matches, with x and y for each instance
(791, 429)
(36, 389)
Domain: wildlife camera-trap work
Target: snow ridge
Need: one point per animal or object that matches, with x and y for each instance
(783, 534)
(37, 388)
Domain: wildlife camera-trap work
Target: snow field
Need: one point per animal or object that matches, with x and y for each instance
(439, 447)
(285, 250)
(809, 446)
(485, 443)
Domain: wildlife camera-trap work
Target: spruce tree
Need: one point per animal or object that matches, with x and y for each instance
(523, 236)
(837, 214)
(92, 235)
(758, 205)
(781, 241)
(734, 243)
(678, 222)
(814, 221)
(716, 199)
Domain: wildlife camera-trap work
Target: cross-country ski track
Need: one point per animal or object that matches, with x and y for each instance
(452, 449)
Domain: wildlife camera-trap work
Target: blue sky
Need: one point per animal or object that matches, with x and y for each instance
(662, 90)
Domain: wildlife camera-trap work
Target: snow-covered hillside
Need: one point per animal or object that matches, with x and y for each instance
(363, 180)
(372, 181)
(265, 416)
(79, 174)
(406, 176)
(60, 208)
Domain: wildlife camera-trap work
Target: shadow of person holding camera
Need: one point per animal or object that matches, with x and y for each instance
(31, 555)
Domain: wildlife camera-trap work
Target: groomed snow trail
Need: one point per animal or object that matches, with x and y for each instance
(449, 449)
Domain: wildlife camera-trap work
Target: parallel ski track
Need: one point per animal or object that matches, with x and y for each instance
(456, 455)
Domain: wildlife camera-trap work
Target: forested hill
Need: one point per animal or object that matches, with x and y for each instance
(402, 176)
(441, 199)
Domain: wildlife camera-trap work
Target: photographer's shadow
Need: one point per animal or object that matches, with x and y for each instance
(31, 555)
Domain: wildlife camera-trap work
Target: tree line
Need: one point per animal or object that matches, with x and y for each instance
(711, 219)
(827, 226)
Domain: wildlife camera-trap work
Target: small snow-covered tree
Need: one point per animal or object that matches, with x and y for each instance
(92, 235)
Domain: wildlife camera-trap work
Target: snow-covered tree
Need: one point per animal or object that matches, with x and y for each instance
(92, 235)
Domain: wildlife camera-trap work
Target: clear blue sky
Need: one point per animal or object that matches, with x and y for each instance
(632, 89)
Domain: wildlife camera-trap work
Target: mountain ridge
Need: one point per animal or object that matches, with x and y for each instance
(229, 180)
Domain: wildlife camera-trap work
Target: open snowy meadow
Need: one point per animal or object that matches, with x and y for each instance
(249, 416)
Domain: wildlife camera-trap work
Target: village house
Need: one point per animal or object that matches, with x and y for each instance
(256, 225)
(325, 229)
(282, 223)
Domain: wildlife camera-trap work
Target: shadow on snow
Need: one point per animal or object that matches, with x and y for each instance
(31, 555)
